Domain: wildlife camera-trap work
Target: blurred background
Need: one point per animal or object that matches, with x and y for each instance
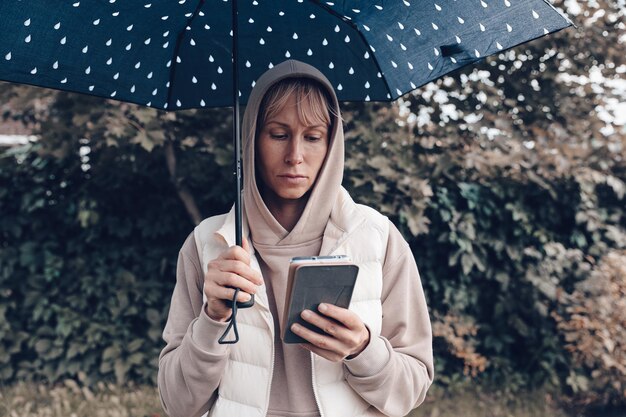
(507, 178)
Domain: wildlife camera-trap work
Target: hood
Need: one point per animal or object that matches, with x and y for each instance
(264, 227)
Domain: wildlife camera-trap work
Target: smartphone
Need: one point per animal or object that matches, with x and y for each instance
(314, 280)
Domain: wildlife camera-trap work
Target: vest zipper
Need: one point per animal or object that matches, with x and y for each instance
(271, 370)
(270, 323)
(269, 386)
(317, 399)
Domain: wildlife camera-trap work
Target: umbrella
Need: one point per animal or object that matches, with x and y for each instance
(207, 53)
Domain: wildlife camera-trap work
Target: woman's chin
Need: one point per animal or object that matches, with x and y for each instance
(293, 193)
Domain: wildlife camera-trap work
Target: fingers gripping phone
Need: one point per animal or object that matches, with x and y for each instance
(314, 280)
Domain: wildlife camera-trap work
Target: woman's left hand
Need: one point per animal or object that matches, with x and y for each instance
(346, 334)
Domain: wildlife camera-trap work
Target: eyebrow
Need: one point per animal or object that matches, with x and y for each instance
(286, 125)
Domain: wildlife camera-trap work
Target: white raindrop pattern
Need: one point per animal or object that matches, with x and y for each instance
(99, 48)
(269, 33)
(415, 47)
(176, 54)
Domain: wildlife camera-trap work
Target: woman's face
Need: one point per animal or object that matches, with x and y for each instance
(289, 154)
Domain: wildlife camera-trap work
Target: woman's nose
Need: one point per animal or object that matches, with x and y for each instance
(294, 151)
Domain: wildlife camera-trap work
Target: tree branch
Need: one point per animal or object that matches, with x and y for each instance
(183, 192)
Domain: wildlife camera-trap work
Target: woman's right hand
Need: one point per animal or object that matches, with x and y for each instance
(228, 271)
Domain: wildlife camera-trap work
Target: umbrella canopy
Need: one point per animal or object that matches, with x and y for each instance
(178, 54)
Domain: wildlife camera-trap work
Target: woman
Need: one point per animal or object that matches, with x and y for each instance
(377, 356)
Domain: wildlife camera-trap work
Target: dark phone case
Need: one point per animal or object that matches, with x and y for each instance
(315, 284)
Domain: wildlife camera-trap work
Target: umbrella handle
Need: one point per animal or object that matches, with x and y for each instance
(241, 304)
(233, 319)
(231, 325)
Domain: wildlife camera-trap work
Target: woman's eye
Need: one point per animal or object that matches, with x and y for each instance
(313, 138)
(278, 136)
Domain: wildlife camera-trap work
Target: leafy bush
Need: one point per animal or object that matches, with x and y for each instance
(593, 325)
(497, 244)
(88, 253)
(87, 260)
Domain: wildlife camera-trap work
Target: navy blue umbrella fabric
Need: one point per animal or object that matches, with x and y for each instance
(176, 54)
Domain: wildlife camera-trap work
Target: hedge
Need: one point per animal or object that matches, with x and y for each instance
(87, 260)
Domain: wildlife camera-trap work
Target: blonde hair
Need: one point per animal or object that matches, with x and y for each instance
(313, 102)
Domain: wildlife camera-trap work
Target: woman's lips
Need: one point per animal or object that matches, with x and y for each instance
(293, 179)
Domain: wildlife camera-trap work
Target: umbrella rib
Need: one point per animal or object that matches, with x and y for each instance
(563, 15)
(179, 40)
(356, 29)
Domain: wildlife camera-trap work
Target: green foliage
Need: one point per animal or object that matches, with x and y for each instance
(594, 328)
(497, 248)
(87, 258)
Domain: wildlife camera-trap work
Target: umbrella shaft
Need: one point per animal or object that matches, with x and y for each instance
(236, 127)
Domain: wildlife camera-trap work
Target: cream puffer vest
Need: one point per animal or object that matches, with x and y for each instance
(357, 231)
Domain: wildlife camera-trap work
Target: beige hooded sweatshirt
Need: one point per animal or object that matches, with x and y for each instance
(392, 373)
